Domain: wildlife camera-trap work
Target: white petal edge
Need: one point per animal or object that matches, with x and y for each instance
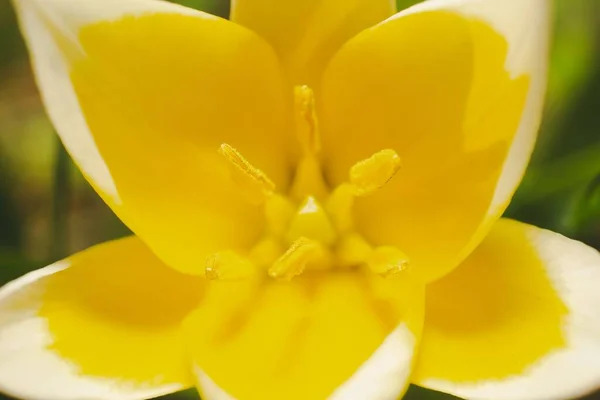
(51, 69)
(525, 24)
(25, 359)
(571, 372)
(208, 389)
(384, 376)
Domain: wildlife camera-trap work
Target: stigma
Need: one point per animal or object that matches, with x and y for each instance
(311, 226)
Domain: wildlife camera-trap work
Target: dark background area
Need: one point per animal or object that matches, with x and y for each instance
(47, 210)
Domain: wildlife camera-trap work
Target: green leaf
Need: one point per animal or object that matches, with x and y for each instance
(61, 198)
(419, 393)
(581, 215)
(14, 265)
(215, 7)
(403, 4)
(570, 171)
(191, 394)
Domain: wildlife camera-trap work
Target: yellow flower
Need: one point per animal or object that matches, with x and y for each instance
(315, 189)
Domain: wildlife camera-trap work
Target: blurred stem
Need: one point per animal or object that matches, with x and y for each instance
(61, 196)
(572, 170)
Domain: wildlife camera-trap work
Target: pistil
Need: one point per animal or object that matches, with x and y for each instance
(307, 124)
(311, 221)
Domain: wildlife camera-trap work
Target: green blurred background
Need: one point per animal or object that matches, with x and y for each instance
(47, 210)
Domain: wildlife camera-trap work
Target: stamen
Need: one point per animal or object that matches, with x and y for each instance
(278, 213)
(339, 206)
(373, 173)
(254, 183)
(228, 265)
(293, 262)
(352, 250)
(311, 221)
(266, 252)
(307, 127)
(388, 261)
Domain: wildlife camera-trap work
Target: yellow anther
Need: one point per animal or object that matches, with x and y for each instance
(294, 261)
(307, 127)
(352, 250)
(339, 207)
(278, 213)
(254, 183)
(388, 261)
(228, 265)
(311, 221)
(371, 174)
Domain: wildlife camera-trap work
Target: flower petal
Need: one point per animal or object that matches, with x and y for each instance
(103, 324)
(456, 88)
(337, 336)
(306, 33)
(143, 93)
(518, 320)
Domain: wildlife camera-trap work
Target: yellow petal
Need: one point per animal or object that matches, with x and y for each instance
(335, 335)
(518, 320)
(456, 89)
(102, 324)
(306, 33)
(143, 93)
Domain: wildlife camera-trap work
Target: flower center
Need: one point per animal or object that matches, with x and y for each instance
(311, 227)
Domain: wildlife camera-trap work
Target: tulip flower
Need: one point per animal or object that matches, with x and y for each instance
(315, 189)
